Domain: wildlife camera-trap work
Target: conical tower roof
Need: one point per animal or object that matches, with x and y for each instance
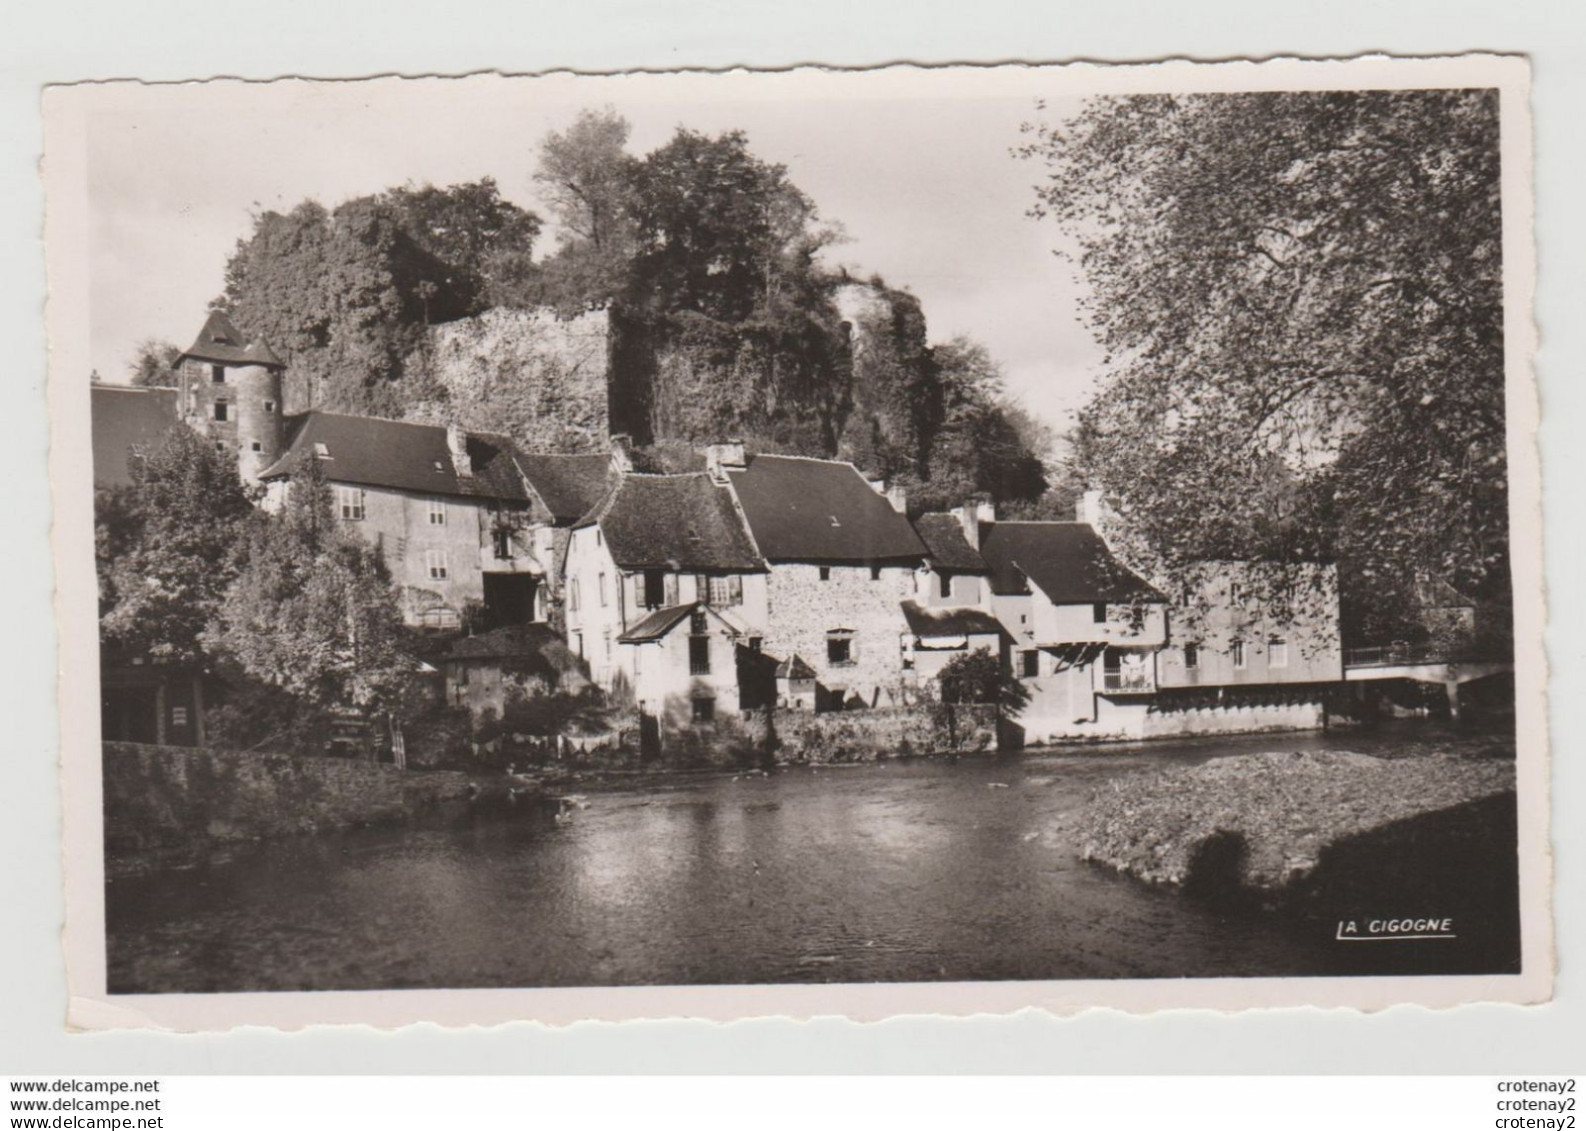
(220, 342)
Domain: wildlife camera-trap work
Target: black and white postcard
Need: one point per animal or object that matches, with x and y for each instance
(724, 544)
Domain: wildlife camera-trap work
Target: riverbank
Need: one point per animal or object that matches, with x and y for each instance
(1264, 823)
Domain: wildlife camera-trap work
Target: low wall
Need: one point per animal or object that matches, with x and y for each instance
(159, 797)
(1131, 721)
(863, 736)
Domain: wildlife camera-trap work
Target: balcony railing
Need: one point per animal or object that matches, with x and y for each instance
(1128, 682)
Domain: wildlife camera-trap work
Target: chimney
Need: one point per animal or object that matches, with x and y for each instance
(971, 516)
(457, 441)
(899, 498)
(621, 453)
(1090, 509)
(722, 458)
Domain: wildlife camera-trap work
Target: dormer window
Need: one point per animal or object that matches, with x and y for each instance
(440, 467)
(321, 451)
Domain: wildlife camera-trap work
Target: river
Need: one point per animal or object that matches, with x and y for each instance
(895, 871)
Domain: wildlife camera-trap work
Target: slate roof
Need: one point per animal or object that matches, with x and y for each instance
(123, 418)
(1068, 561)
(926, 621)
(568, 485)
(657, 624)
(678, 522)
(407, 457)
(219, 341)
(946, 545)
(815, 510)
(794, 667)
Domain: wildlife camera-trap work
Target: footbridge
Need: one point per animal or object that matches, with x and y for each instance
(1422, 664)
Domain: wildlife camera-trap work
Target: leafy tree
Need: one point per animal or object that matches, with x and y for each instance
(986, 446)
(166, 547)
(1299, 296)
(152, 362)
(586, 176)
(975, 678)
(313, 613)
(483, 243)
(344, 295)
(719, 231)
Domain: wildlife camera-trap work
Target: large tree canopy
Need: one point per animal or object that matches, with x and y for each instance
(1299, 296)
(167, 546)
(344, 295)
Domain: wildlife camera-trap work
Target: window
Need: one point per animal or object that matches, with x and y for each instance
(826, 573)
(698, 645)
(220, 410)
(724, 591)
(670, 594)
(704, 710)
(1278, 654)
(462, 675)
(503, 543)
(578, 644)
(1192, 656)
(220, 445)
(349, 501)
(604, 599)
(437, 512)
(875, 573)
(255, 446)
(435, 562)
(1236, 593)
(606, 636)
(572, 600)
(217, 374)
(269, 406)
(649, 588)
(1238, 651)
(320, 450)
(1030, 663)
(1098, 612)
(944, 582)
(840, 648)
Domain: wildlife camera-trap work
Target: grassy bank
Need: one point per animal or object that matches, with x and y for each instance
(1262, 822)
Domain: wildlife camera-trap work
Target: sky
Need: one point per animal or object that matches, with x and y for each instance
(916, 168)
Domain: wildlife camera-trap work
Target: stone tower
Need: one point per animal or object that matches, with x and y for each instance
(230, 390)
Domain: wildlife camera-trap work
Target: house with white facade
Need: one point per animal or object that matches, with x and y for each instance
(950, 613)
(663, 592)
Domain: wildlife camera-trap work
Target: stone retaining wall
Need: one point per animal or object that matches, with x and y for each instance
(158, 797)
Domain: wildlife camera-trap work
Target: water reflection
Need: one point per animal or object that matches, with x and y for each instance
(897, 872)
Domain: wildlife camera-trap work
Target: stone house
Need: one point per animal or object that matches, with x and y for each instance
(841, 560)
(449, 510)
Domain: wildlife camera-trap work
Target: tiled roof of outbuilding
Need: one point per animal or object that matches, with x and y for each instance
(816, 510)
(926, 621)
(679, 522)
(657, 624)
(946, 545)
(219, 341)
(535, 647)
(1068, 561)
(372, 452)
(569, 485)
(123, 418)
